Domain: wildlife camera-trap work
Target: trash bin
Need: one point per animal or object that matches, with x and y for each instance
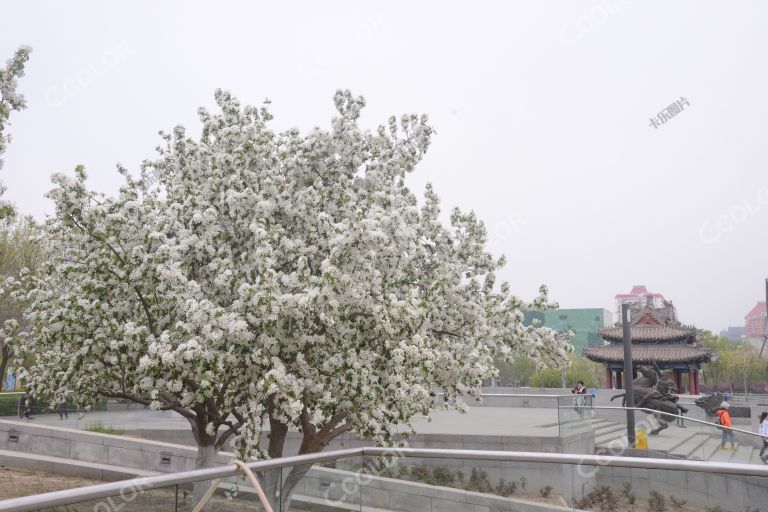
(641, 439)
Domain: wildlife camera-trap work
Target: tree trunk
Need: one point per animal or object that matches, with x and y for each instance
(206, 458)
(271, 481)
(5, 354)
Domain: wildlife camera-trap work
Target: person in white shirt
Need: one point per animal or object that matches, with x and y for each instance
(763, 431)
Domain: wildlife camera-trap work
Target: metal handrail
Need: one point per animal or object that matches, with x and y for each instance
(686, 418)
(521, 395)
(127, 487)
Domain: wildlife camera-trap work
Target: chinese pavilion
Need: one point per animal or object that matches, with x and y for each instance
(657, 337)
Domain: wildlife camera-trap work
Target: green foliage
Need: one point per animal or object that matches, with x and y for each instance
(504, 488)
(579, 369)
(421, 472)
(442, 476)
(678, 503)
(628, 494)
(714, 509)
(603, 498)
(18, 252)
(104, 429)
(519, 371)
(478, 481)
(737, 366)
(657, 502)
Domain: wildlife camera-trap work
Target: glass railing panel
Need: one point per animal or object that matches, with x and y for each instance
(327, 486)
(601, 488)
(11, 406)
(131, 499)
(575, 414)
(233, 494)
(405, 484)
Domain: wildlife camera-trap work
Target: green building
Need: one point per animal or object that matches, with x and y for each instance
(585, 324)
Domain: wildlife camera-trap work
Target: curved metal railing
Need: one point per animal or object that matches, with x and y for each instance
(72, 496)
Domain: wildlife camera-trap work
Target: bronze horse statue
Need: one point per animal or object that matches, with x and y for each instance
(653, 390)
(710, 403)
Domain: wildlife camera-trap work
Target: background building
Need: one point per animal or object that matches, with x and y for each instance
(639, 297)
(754, 323)
(734, 333)
(585, 324)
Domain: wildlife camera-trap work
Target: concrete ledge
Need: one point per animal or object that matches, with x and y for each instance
(94, 471)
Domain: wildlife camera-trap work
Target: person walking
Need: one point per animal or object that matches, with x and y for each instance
(726, 425)
(763, 431)
(63, 413)
(580, 400)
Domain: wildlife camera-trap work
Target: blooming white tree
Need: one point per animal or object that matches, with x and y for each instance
(10, 100)
(18, 252)
(273, 280)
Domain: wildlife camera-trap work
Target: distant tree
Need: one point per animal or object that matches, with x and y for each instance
(19, 252)
(741, 363)
(737, 361)
(579, 369)
(715, 373)
(521, 369)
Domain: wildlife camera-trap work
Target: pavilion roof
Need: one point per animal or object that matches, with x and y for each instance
(642, 333)
(681, 353)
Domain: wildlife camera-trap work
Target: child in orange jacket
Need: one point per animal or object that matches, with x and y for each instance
(725, 421)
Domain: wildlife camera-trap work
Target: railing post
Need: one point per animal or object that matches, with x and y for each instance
(628, 384)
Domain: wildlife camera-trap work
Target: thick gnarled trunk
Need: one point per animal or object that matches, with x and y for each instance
(206, 458)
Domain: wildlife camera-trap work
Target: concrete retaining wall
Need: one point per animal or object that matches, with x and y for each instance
(94, 447)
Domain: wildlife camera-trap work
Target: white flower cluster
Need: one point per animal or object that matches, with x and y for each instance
(9, 98)
(275, 279)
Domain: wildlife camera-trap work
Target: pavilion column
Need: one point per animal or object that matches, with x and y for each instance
(618, 379)
(693, 377)
(608, 378)
(679, 381)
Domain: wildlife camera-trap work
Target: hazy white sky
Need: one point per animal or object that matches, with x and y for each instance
(542, 111)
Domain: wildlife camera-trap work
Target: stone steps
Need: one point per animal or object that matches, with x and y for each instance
(608, 434)
(691, 447)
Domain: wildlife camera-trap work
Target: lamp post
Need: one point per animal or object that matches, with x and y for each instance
(629, 387)
(765, 333)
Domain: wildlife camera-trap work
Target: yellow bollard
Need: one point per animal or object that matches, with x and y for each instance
(641, 439)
